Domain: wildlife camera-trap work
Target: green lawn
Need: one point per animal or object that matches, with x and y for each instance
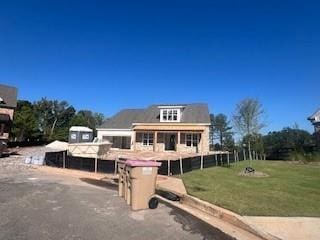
(291, 189)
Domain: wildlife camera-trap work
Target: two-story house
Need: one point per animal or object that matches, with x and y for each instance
(315, 120)
(8, 102)
(159, 128)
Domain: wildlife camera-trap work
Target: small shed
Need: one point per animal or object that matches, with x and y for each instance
(80, 134)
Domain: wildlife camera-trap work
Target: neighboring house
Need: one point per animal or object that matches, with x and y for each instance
(159, 128)
(315, 120)
(8, 102)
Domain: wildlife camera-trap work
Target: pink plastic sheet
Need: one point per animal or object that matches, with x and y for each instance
(142, 163)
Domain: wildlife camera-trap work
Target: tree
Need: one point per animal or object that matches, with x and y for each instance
(84, 118)
(50, 120)
(229, 142)
(256, 142)
(52, 114)
(288, 138)
(99, 118)
(87, 118)
(43, 113)
(247, 119)
(221, 130)
(63, 113)
(24, 122)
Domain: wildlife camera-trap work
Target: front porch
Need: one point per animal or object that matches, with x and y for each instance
(115, 154)
(192, 142)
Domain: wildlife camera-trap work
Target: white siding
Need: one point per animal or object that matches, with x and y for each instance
(114, 132)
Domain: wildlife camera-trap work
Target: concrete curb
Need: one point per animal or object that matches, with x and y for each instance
(217, 212)
(226, 215)
(227, 228)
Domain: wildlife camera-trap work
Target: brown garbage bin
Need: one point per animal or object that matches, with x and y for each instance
(127, 186)
(122, 178)
(141, 180)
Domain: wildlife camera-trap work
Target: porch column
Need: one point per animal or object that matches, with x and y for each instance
(178, 145)
(134, 140)
(202, 141)
(155, 141)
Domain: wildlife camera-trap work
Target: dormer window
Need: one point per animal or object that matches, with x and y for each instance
(170, 114)
(164, 115)
(175, 115)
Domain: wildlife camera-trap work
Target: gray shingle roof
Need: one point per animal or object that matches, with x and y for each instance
(123, 119)
(192, 113)
(8, 95)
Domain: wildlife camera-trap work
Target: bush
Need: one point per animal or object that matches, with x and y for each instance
(305, 157)
(313, 157)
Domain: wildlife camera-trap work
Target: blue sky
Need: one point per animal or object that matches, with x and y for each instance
(109, 55)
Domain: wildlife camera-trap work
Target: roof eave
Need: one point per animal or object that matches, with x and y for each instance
(170, 123)
(114, 129)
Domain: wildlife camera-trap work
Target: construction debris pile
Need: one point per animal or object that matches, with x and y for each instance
(37, 155)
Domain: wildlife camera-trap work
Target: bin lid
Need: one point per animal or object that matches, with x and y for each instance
(142, 163)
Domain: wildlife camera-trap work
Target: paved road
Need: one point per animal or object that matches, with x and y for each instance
(34, 205)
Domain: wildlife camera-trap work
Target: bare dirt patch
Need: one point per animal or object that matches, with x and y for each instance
(253, 174)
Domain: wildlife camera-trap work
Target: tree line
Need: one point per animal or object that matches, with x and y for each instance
(48, 120)
(247, 121)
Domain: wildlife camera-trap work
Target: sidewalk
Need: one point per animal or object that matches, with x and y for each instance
(293, 228)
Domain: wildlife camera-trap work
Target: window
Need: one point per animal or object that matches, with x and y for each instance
(147, 139)
(175, 115)
(2, 126)
(195, 140)
(170, 115)
(122, 142)
(189, 140)
(73, 136)
(85, 136)
(107, 138)
(164, 115)
(192, 139)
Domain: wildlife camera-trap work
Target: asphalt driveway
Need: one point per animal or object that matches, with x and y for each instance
(34, 205)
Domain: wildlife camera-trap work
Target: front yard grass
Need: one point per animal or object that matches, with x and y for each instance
(291, 189)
